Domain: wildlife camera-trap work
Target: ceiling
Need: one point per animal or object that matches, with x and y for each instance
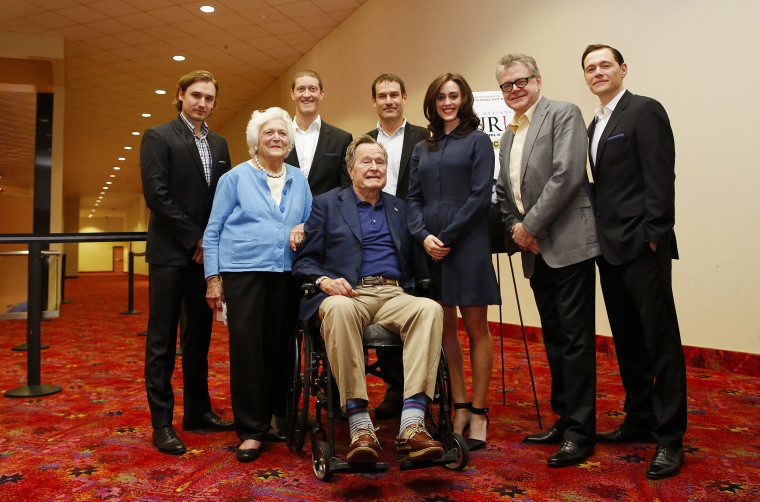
(118, 53)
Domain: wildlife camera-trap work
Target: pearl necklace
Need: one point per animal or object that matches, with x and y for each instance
(277, 175)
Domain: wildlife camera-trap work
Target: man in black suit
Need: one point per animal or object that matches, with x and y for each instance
(180, 163)
(393, 131)
(320, 150)
(632, 155)
(399, 138)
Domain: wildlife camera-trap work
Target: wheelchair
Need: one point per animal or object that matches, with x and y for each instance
(313, 382)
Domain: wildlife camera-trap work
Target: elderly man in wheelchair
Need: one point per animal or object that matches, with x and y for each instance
(358, 251)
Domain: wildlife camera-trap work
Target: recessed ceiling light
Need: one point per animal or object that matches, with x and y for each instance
(100, 196)
(179, 58)
(105, 188)
(207, 8)
(113, 176)
(145, 115)
(122, 158)
(135, 133)
(160, 91)
(109, 182)
(116, 168)
(127, 147)
(89, 215)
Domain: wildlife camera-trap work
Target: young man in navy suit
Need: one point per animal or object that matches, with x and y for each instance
(398, 137)
(180, 163)
(358, 251)
(632, 156)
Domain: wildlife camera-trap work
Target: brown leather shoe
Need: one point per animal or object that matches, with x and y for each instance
(416, 444)
(364, 448)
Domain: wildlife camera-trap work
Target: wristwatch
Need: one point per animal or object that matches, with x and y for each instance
(320, 279)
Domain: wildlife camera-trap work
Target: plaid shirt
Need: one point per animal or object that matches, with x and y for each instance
(203, 147)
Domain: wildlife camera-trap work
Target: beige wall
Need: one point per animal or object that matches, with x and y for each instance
(696, 57)
(71, 225)
(98, 256)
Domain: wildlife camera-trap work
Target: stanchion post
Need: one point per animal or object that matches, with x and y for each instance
(131, 288)
(34, 387)
(63, 280)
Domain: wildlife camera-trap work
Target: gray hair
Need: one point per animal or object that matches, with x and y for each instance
(513, 59)
(261, 117)
(365, 139)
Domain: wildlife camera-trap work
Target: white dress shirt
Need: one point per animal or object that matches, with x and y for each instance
(393, 144)
(602, 115)
(306, 144)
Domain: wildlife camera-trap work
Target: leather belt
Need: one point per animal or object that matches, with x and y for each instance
(376, 280)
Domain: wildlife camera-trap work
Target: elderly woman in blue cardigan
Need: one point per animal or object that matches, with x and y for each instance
(256, 224)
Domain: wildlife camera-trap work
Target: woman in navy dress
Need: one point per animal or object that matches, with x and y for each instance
(450, 184)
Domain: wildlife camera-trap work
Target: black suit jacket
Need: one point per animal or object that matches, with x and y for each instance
(412, 135)
(634, 180)
(175, 190)
(333, 242)
(328, 169)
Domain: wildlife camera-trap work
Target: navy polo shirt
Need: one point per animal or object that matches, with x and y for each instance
(379, 255)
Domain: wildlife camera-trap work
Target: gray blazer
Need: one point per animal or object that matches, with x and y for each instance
(554, 187)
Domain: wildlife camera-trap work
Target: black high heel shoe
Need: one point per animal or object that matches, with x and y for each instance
(464, 406)
(477, 444)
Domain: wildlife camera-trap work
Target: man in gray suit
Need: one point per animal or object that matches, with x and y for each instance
(543, 192)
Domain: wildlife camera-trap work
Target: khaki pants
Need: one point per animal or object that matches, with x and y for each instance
(419, 321)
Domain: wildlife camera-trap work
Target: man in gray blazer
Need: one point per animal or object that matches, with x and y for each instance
(543, 192)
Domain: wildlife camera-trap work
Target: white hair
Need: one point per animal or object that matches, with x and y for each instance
(261, 117)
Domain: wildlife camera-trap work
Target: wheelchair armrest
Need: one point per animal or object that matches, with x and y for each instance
(309, 288)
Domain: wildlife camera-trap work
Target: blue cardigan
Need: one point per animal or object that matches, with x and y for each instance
(247, 231)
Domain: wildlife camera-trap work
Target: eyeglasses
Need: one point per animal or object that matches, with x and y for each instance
(519, 83)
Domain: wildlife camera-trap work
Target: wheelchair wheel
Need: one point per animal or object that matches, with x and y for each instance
(320, 460)
(299, 401)
(463, 457)
(439, 422)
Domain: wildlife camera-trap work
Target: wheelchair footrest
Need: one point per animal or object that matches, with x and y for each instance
(448, 458)
(338, 465)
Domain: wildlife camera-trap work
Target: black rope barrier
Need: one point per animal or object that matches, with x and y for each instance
(34, 386)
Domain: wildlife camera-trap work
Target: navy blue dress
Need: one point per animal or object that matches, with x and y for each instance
(449, 195)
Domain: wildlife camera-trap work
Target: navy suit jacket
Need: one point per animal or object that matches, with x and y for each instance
(328, 169)
(634, 180)
(175, 189)
(333, 242)
(412, 135)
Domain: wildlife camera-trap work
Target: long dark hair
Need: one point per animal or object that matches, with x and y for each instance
(470, 121)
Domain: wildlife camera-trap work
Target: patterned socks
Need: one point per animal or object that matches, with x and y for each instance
(413, 411)
(358, 416)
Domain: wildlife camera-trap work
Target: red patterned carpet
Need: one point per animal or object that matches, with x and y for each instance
(92, 441)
